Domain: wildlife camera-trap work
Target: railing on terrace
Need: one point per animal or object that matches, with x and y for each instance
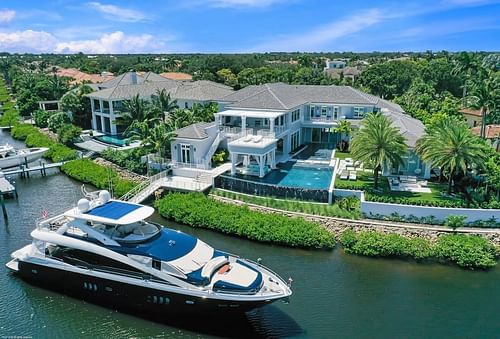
(270, 190)
(321, 119)
(198, 165)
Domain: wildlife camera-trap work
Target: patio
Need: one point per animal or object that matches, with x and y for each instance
(408, 184)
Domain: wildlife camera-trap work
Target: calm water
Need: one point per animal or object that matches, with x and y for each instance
(293, 174)
(335, 295)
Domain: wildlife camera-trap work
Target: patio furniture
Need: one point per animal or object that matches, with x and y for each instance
(344, 175)
(350, 168)
(353, 176)
(394, 182)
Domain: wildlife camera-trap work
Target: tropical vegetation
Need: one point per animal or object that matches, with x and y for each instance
(197, 210)
(378, 144)
(467, 251)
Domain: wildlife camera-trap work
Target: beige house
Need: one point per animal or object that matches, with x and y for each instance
(472, 116)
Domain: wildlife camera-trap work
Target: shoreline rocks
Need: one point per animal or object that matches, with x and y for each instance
(337, 226)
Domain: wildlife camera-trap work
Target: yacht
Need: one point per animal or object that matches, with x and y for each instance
(105, 250)
(10, 157)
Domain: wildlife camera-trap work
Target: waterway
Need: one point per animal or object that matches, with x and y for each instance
(335, 295)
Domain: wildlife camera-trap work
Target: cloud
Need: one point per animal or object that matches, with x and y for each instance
(116, 42)
(6, 15)
(108, 43)
(235, 3)
(116, 13)
(27, 41)
(319, 37)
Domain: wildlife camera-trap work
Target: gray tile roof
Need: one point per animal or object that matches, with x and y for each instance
(194, 131)
(411, 128)
(150, 83)
(284, 97)
(122, 79)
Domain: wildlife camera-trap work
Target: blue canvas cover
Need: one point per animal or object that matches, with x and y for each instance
(113, 210)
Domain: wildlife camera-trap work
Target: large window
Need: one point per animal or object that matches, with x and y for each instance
(336, 110)
(295, 115)
(185, 153)
(97, 105)
(359, 112)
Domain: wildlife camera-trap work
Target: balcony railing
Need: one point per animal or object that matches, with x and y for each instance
(321, 119)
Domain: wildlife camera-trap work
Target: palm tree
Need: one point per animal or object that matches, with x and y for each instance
(485, 95)
(136, 112)
(378, 144)
(180, 118)
(163, 103)
(450, 145)
(159, 138)
(344, 127)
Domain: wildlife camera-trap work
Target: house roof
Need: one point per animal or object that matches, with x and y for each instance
(282, 96)
(491, 131)
(470, 111)
(194, 131)
(411, 128)
(80, 77)
(123, 88)
(177, 76)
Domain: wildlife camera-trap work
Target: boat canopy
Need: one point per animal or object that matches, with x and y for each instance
(113, 212)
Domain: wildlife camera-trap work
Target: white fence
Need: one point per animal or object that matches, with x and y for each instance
(440, 213)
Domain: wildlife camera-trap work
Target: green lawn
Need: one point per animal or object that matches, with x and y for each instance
(342, 155)
(365, 183)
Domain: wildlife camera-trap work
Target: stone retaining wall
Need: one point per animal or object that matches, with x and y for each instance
(123, 173)
(337, 225)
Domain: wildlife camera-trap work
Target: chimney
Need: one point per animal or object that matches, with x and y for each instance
(133, 77)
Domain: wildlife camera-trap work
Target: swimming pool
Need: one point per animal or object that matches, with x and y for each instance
(293, 174)
(113, 140)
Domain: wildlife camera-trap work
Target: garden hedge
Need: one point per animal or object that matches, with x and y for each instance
(196, 210)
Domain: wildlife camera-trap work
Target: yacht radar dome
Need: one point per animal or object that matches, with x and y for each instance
(104, 196)
(83, 205)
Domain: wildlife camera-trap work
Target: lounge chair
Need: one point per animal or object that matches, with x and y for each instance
(353, 175)
(344, 175)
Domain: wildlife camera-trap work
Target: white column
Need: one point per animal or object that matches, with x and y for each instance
(261, 166)
(112, 118)
(273, 159)
(94, 123)
(243, 122)
(271, 124)
(103, 127)
(233, 163)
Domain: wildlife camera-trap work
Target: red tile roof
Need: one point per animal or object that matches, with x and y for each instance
(177, 76)
(79, 77)
(469, 111)
(492, 131)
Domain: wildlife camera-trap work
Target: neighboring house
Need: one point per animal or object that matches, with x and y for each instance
(347, 72)
(492, 135)
(263, 125)
(472, 116)
(107, 101)
(335, 64)
(177, 76)
(80, 77)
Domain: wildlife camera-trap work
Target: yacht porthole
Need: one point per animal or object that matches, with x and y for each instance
(189, 302)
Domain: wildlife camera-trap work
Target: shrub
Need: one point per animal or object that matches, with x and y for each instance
(67, 133)
(129, 159)
(464, 250)
(87, 171)
(56, 120)
(455, 221)
(10, 117)
(41, 118)
(196, 210)
(34, 138)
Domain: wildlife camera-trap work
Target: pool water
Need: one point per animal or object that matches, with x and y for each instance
(292, 174)
(113, 140)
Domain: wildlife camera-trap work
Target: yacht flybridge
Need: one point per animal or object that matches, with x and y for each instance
(10, 157)
(103, 249)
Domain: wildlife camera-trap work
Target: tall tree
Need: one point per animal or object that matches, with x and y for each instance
(378, 144)
(450, 145)
(163, 103)
(485, 95)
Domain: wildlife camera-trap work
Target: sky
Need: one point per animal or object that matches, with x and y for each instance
(241, 26)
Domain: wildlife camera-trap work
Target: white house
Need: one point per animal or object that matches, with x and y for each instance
(263, 125)
(107, 100)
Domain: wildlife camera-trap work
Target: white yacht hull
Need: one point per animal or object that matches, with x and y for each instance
(27, 155)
